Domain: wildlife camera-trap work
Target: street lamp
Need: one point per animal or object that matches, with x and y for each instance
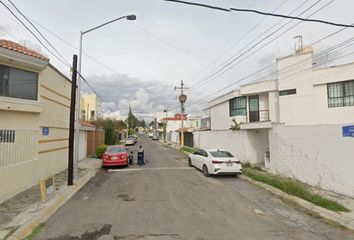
(77, 117)
(165, 126)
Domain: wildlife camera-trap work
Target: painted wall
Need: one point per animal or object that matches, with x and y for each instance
(220, 118)
(89, 102)
(52, 111)
(247, 146)
(309, 106)
(83, 145)
(316, 155)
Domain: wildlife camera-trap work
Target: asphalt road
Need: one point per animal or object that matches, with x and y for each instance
(167, 200)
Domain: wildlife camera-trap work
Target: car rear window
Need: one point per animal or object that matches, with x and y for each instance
(115, 150)
(221, 154)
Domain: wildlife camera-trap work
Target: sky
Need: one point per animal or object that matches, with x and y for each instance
(140, 62)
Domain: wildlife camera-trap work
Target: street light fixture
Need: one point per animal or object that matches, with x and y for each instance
(130, 17)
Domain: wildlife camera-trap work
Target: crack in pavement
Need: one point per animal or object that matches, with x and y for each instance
(125, 197)
(94, 235)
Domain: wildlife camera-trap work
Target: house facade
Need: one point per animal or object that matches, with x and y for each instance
(34, 118)
(302, 95)
(293, 125)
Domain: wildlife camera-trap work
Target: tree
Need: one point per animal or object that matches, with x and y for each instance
(120, 124)
(109, 133)
(142, 123)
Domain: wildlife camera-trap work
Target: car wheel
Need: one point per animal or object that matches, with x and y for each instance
(205, 171)
(190, 162)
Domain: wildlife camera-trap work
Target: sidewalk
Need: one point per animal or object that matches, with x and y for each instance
(345, 219)
(20, 214)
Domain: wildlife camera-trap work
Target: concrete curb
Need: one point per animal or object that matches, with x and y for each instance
(51, 207)
(324, 213)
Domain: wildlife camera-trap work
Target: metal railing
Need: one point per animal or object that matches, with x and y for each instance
(258, 116)
(17, 145)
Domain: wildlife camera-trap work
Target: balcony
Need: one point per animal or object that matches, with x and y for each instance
(257, 120)
(258, 116)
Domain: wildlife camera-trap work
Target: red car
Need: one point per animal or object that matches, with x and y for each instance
(115, 156)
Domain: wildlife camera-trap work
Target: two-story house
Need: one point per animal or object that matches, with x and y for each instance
(34, 118)
(294, 124)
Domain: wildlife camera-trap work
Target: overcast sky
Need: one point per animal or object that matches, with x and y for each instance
(168, 42)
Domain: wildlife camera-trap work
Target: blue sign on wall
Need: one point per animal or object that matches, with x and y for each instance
(348, 131)
(45, 131)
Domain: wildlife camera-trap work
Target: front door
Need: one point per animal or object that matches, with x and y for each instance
(253, 108)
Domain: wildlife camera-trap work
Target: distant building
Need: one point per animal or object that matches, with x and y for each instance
(89, 107)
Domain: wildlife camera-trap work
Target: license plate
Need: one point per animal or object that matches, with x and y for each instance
(114, 158)
(228, 164)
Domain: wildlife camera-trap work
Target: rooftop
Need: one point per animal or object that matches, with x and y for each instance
(16, 47)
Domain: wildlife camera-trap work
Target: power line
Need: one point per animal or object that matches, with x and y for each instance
(34, 35)
(89, 85)
(168, 43)
(10, 34)
(237, 42)
(47, 47)
(220, 71)
(262, 13)
(45, 39)
(295, 65)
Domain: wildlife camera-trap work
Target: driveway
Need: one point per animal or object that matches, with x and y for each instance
(166, 199)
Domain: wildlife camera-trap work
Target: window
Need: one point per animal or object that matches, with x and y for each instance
(238, 106)
(287, 92)
(341, 94)
(221, 154)
(115, 150)
(18, 83)
(83, 114)
(7, 136)
(203, 153)
(92, 114)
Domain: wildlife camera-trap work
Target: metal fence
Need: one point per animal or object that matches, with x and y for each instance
(17, 145)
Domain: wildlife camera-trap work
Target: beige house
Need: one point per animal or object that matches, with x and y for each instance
(89, 106)
(34, 118)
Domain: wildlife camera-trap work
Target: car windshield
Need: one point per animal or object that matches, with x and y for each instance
(221, 154)
(115, 150)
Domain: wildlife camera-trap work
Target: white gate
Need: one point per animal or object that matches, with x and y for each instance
(17, 145)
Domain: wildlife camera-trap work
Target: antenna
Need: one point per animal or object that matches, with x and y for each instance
(300, 43)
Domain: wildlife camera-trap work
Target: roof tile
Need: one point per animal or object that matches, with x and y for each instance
(10, 45)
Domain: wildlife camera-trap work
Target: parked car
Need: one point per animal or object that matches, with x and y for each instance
(115, 156)
(155, 138)
(129, 141)
(151, 135)
(215, 162)
(134, 137)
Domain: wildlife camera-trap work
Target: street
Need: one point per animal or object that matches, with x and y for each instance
(165, 199)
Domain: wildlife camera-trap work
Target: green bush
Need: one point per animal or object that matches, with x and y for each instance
(110, 137)
(188, 149)
(294, 188)
(100, 150)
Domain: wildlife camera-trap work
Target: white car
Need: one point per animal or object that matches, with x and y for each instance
(129, 141)
(150, 134)
(215, 162)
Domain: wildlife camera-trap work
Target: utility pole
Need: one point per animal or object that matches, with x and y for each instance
(165, 129)
(72, 123)
(182, 99)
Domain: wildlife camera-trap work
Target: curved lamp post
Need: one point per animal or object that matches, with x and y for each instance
(131, 17)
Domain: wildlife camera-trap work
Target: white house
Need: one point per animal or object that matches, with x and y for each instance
(297, 125)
